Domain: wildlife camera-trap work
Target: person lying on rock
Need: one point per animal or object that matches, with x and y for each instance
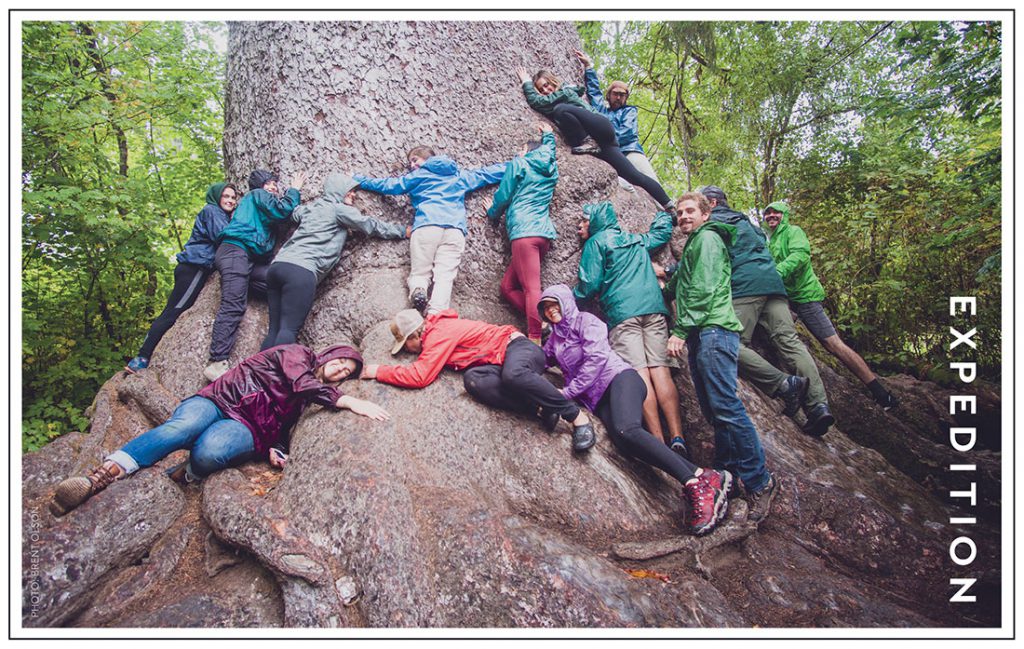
(583, 129)
(615, 269)
(247, 413)
(707, 328)
(242, 258)
(792, 253)
(503, 368)
(599, 379)
(312, 251)
(438, 190)
(524, 195)
(195, 263)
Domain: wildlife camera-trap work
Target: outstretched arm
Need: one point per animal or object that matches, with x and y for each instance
(353, 219)
(391, 186)
(474, 179)
(660, 232)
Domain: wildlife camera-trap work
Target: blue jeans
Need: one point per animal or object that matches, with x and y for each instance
(714, 354)
(214, 441)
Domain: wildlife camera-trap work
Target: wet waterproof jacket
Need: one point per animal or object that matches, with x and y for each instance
(624, 120)
(792, 252)
(201, 247)
(323, 228)
(615, 266)
(525, 193)
(452, 342)
(753, 269)
(252, 225)
(579, 345)
(268, 391)
(438, 190)
(544, 104)
(701, 284)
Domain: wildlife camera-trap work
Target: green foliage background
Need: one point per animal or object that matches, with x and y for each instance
(884, 137)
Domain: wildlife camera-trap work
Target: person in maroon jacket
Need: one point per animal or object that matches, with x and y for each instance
(245, 414)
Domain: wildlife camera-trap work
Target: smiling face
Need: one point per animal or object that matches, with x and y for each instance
(270, 186)
(228, 199)
(338, 369)
(552, 311)
(545, 85)
(772, 218)
(416, 161)
(689, 216)
(617, 98)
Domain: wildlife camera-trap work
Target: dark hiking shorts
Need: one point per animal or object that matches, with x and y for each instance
(813, 315)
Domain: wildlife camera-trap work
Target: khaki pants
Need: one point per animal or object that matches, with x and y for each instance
(435, 251)
(642, 164)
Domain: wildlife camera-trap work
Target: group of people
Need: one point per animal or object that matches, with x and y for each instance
(730, 278)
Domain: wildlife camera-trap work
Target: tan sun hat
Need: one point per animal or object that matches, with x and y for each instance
(405, 324)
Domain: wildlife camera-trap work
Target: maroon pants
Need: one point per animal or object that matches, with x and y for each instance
(521, 283)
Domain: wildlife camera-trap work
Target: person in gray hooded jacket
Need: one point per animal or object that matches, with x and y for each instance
(311, 253)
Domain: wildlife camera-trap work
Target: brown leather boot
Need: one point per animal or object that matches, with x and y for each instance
(74, 491)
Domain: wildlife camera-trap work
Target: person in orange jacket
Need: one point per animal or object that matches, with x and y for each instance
(503, 368)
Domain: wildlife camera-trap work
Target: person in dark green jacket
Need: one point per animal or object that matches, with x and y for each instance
(792, 253)
(243, 258)
(707, 327)
(759, 298)
(524, 195)
(615, 268)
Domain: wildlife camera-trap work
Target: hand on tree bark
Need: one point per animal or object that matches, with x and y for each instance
(543, 127)
(524, 76)
(299, 180)
(369, 372)
(584, 59)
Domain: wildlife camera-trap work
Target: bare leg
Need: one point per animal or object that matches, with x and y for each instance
(668, 401)
(652, 421)
(850, 358)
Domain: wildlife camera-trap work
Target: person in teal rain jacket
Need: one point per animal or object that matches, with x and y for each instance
(438, 190)
(524, 195)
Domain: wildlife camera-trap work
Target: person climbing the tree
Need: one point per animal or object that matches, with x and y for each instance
(615, 269)
(524, 195)
(242, 258)
(503, 368)
(195, 263)
(312, 251)
(792, 253)
(583, 129)
(438, 190)
(706, 326)
(246, 414)
(622, 116)
(600, 380)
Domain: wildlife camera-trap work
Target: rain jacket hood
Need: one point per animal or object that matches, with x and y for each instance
(214, 193)
(701, 284)
(753, 269)
(791, 251)
(252, 226)
(578, 344)
(525, 193)
(341, 351)
(201, 247)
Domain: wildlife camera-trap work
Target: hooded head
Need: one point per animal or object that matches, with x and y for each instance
(339, 184)
(566, 302)
(261, 177)
(782, 208)
(213, 194)
(601, 216)
(341, 351)
(440, 165)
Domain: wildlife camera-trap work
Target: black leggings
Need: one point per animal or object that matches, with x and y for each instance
(518, 384)
(188, 282)
(621, 410)
(290, 292)
(577, 122)
(239, 275)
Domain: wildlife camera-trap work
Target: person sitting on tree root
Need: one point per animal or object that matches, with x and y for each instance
(503, 368)
(438, 190)
(245, 414)
(615, 269)
(242, 258)
(524, 195)
(600, 380)
(585, 130)
(707, 328)
(792, 252)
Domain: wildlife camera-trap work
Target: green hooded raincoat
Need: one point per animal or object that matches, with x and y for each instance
(702, 285)
(525, 193)
(792, 253)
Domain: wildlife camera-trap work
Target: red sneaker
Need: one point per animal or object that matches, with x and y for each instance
(708, 499)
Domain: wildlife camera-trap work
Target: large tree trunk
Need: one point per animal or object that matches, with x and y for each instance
(451, 514)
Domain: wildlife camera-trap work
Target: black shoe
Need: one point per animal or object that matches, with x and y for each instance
(586, 146)
(888, 402)
(819, 418)
(792, 394)
(760, 502)
(678, 446)
(583, 437)
(419, 301)
(549, 419)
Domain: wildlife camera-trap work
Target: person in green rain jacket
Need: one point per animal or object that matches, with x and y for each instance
(792, 253)
(707, 327)
(524, 195)
(615, 268)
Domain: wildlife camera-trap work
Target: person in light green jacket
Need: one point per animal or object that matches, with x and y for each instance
(312, 251)
(524, 195)
(792, 253)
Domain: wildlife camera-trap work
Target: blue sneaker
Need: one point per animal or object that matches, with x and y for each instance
(678, 447)
(136, 364)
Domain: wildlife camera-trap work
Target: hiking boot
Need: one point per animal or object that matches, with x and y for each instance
(888, 402)
(792, 394)
(549, 419)
(180, 473)
(74, 491)
(760, 502)
(708, 500)
(819, 418)
(136, 364)
(586, 146)
(583, 437)
(670, 207)
(678, 446)
(419, 300)
(215, 370)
